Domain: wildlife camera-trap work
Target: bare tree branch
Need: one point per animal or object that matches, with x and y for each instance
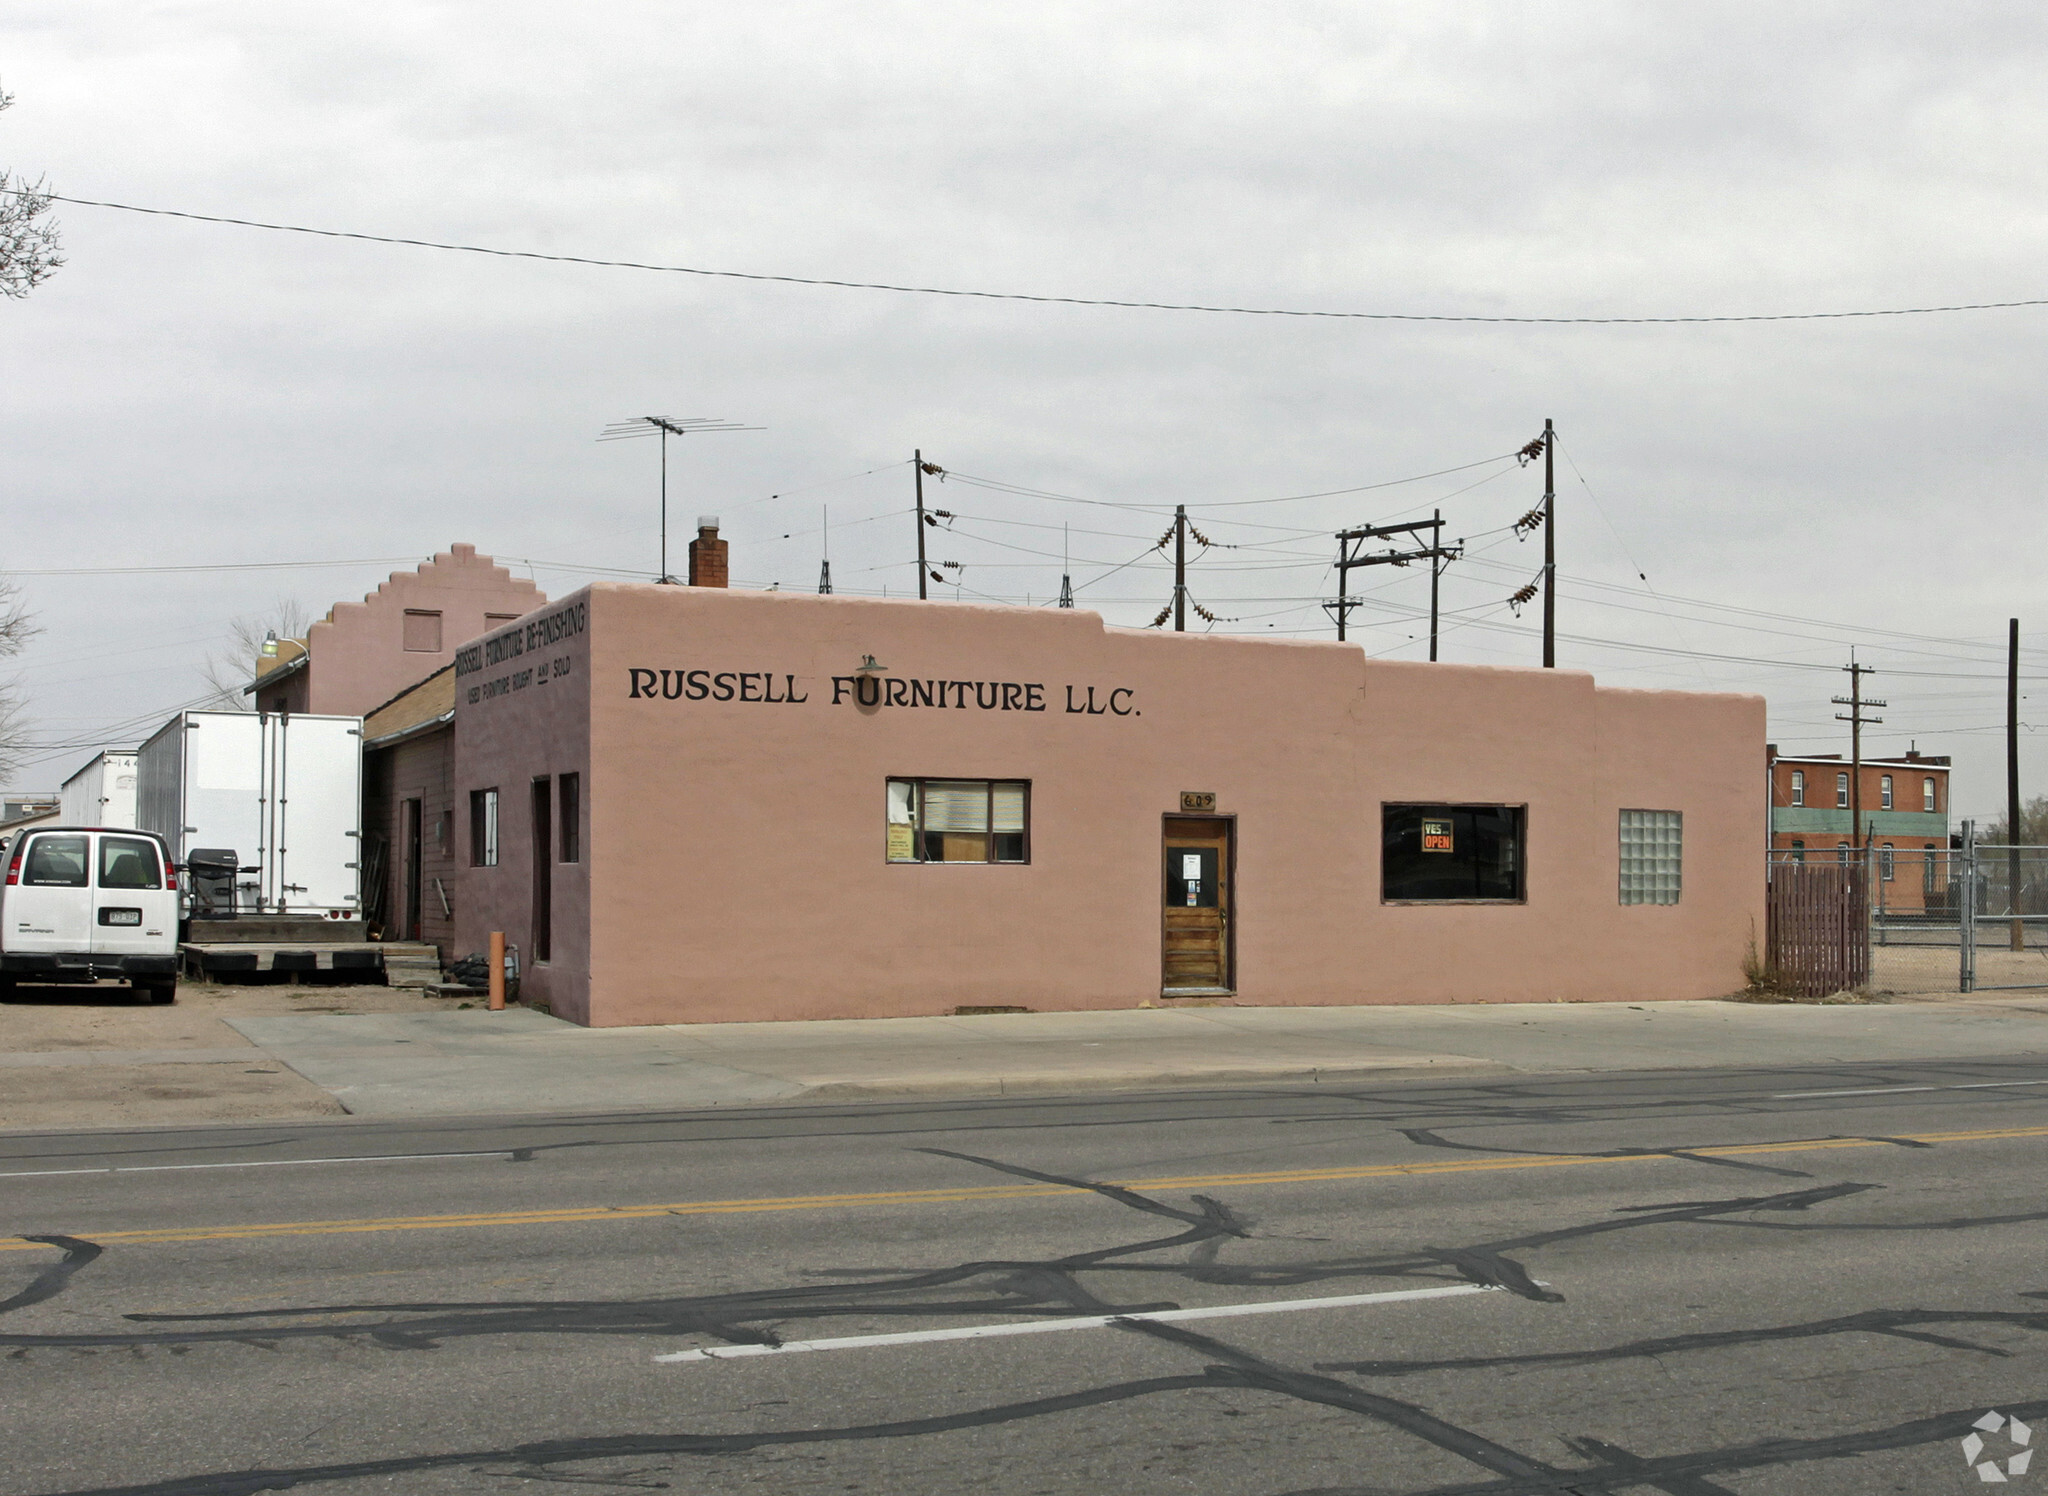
(17, 627)
(231, 668)
(28, 249)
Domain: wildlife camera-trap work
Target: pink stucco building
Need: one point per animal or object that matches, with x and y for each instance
(363, 654)
(690, 804)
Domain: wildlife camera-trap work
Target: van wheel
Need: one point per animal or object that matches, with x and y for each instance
(158, 992)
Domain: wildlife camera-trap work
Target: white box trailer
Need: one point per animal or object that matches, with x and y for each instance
(282, 791)
(100, 794)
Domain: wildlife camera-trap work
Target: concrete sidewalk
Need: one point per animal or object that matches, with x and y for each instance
(447, 1063)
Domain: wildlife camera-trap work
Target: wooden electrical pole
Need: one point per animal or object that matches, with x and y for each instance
(917, 467)
(1549, 546)
(1858, 836)
(1180, 568)
(1350, 553)
(2012, 785)
(1436, 571)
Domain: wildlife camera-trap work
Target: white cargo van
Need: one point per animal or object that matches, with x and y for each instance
(84, 902)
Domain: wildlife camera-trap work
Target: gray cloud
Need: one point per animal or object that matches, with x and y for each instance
(184, 393)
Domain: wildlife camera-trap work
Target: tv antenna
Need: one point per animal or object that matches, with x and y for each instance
(666, 427)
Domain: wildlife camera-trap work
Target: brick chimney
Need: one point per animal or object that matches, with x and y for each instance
(707, 554)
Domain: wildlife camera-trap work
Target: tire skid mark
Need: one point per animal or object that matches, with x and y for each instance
(56, 1276)
(1903, 1324)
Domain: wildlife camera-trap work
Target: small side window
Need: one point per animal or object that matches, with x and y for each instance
(1798, 786)
(1884, 792)
(569, 807)
(1842, 794)
(483, 828)
(1927, 794)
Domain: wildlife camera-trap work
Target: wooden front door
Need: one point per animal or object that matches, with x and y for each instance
(1196, 928)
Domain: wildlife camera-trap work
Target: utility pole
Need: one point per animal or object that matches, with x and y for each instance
(917, 467)
(1066, 572)
(825, 567)
(1350, 553)
(1180, 568)
(1436, 572)
(1855, 702)
(2012, 784)
(1549, 545)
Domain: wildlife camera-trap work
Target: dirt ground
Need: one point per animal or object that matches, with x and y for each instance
(1930, 971)
(76, 1055)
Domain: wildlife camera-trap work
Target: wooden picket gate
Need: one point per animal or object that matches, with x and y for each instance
(1817, 926)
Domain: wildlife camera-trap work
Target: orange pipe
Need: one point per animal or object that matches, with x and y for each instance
(497, 970)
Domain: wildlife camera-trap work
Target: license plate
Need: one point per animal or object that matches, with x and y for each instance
(120, 916)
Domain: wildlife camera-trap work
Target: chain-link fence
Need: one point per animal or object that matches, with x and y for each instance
(1968, 918)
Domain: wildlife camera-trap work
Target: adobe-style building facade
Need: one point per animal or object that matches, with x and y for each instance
(685, 804)
(1904, 819)
(362, 654)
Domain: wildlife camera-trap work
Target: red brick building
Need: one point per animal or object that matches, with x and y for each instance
(1904, 818)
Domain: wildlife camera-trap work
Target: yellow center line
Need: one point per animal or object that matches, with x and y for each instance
(583, 1213)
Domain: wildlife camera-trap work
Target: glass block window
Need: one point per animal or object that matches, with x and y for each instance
(1650, 856)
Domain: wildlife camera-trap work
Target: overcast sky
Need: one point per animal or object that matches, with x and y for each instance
(187, 394)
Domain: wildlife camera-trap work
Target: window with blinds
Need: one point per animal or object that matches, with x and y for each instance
(959, 820)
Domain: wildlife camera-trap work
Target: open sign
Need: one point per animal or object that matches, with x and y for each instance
(1436, 836)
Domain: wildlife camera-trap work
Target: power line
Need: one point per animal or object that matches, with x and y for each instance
(1095, 301)
(129, 571)
(999, 485)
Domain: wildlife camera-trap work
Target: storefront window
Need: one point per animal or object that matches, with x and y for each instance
(1462, 853)
(1651, 848)
(958, 820)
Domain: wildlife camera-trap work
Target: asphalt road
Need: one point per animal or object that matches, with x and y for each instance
(1804, 1280)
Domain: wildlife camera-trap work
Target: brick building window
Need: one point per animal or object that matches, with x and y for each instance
(483, 828)
(959, 820)
(1884, 862)
(1842, 793)
(1798, 850)
(1651, 846)
(1798, 786)
(1927, 794)
(1884, 795)
(422, 631)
